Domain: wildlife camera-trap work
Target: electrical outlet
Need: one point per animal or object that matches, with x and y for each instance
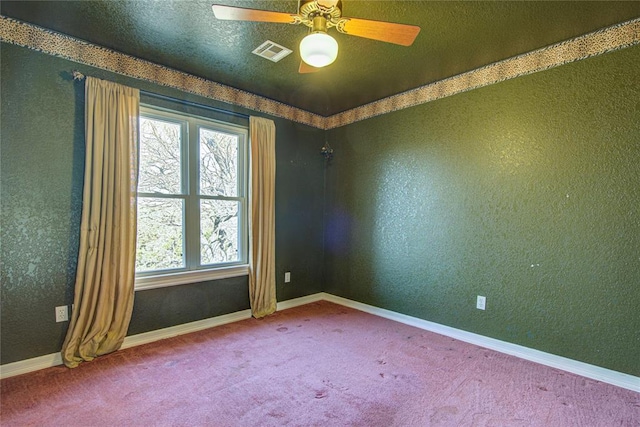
(62, 313)
(287, 277)
(481, 303)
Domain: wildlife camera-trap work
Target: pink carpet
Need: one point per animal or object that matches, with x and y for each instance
(316, 365)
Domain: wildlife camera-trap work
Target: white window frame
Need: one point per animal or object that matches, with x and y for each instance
(193, 271)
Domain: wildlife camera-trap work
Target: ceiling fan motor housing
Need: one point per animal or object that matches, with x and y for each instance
(319, 24)
(330, 10)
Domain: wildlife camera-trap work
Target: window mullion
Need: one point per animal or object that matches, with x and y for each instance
(228, 198)
(243, 192)
(192, 231)
(161, 195)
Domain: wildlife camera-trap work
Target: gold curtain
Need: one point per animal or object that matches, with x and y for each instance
(262, 257)
(105, 275)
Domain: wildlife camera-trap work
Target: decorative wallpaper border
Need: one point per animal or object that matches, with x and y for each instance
(76, 50)
(608, 39)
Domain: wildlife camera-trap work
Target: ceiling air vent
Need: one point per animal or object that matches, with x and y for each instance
(272, 51)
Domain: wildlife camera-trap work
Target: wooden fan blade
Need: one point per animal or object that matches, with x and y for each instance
(242, 14)
(306, 68)
(389, 32)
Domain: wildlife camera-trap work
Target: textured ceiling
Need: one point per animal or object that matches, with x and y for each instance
(456, 36)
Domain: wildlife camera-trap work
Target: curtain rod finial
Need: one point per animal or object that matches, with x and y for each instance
(77, 75)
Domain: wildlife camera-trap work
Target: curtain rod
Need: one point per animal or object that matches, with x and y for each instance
(77, 75)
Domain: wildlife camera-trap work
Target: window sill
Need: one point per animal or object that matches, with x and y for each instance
(187, 277)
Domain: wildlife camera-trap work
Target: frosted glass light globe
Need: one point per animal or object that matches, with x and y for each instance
(318, 49)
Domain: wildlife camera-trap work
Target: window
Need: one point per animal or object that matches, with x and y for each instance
(192, 204)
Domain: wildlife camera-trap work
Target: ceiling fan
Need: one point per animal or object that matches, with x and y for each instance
(318, 49)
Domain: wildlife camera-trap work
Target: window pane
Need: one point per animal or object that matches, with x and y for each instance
(159, 157)
(218, 231)
(159, 234)
(218, 163)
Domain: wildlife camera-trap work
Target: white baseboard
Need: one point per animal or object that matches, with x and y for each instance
(185, 328)
(55, 359)
(29, 365)
(609, 376)
(307, 299)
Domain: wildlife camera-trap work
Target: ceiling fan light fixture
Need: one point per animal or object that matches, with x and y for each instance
(318, 49)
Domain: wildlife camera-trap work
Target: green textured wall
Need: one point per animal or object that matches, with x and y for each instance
(40, 198)
(526, 192)
(42, 161)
